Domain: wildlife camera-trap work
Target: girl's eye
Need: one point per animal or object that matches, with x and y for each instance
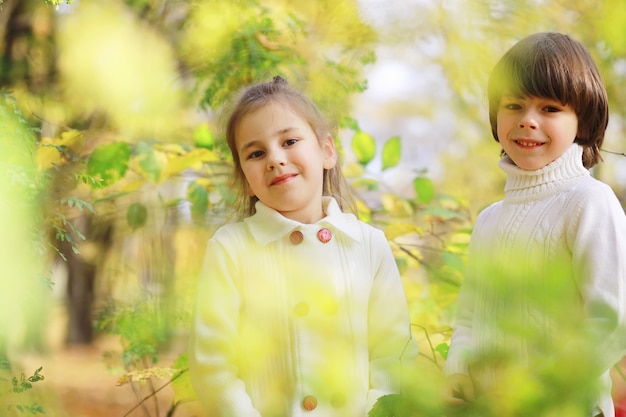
(255, 154)
(291, 141)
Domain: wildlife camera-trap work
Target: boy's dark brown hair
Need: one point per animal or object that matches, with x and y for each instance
(555, 66)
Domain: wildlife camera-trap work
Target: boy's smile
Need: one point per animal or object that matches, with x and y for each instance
(534, 131)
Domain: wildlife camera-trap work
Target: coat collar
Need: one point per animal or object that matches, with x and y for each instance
(267, 225)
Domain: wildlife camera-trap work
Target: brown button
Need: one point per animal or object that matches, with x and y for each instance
(296, 237)
(301, 309)
(309, 403)
(324, 235)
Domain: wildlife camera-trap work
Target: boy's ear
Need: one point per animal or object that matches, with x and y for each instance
(330, 152)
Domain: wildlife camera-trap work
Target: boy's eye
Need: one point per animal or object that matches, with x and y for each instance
(552, 109)
(290, 141)
(511, 106)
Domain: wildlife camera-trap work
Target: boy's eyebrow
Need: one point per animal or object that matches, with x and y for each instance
(253, 142)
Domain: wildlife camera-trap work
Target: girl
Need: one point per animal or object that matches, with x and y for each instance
(300, 307)
(546, 282)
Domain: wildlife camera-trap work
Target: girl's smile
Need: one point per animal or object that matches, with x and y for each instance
(283, 179)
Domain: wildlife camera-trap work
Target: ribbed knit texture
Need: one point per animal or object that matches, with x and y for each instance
(547, 266)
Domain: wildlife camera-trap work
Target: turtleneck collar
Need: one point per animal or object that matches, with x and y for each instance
(268, 225)
(557, 176)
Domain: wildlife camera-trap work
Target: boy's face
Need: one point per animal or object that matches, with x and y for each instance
(534, 131)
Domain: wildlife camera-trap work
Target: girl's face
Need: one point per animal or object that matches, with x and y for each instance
(534, 131)
(283, 161)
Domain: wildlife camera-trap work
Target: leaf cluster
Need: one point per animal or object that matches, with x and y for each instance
(19, 386)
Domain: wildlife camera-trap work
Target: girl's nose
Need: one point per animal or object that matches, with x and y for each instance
(276, 159)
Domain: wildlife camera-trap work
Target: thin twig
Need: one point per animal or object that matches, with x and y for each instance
(151, 384)
(430, 344)
(155, 392)
(614, 152)
(138, 395)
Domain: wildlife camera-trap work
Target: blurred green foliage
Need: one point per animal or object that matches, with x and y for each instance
(116, 106)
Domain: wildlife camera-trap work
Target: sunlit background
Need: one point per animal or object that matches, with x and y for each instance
(114, 173)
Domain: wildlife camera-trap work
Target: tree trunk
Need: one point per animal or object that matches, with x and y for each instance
(80, 296)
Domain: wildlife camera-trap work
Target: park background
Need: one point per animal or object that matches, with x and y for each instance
(113, 173)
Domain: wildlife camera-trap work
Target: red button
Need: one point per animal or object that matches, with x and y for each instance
(324, 235)
(309, 403)
(296, 237)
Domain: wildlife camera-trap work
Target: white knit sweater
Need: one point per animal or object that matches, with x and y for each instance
(277, 321)
(547, 274)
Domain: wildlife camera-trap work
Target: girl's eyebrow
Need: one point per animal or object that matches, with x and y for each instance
(255, 142)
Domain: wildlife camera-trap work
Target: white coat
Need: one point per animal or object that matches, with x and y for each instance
(287, 325)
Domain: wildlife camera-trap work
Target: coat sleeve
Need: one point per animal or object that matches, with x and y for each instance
(461, 342)
(392, 349)
(213, 345)
(598, 243)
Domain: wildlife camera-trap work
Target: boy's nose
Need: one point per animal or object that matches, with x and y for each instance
(528, 121)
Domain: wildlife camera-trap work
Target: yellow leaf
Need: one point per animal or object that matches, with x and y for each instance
(396, 206)
(171, 147)
(48, 156)
(205, 182)
(72, 139)
(395, 230)
(183, 391)
(189, 160)
(364, 212)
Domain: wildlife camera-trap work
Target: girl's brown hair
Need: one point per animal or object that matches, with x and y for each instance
(258, 95)
(554, 66)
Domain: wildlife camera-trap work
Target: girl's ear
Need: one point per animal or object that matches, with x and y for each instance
(329, 151)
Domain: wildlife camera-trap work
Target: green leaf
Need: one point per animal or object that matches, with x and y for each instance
(149, 162)
(454, 261)
(348, 122)
(199, 198)
(203, 137)
(391, 405)
(136, 215)
(402, 264)
(441, 213)
(424, 190)
(364, 147)
(392, 152)
(368, 184)
(183, 390)
(443, 348)
(108, 163)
